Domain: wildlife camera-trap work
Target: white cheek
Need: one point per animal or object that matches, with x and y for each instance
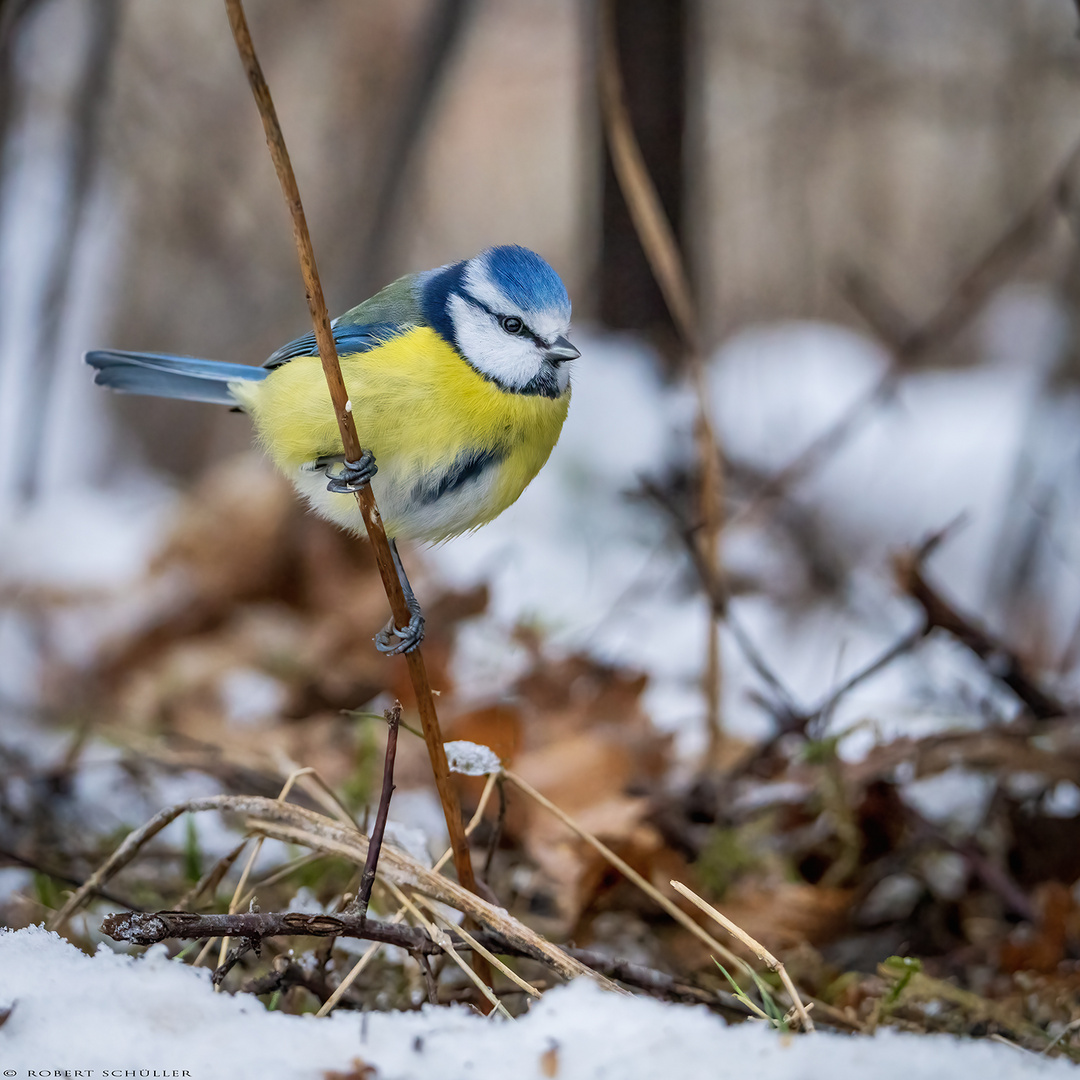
(511, 360)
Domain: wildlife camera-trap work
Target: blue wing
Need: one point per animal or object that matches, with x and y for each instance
(347, 338)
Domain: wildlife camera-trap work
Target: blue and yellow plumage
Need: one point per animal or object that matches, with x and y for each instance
(457, 380)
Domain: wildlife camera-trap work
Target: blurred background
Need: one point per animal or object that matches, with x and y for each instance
(877, 204)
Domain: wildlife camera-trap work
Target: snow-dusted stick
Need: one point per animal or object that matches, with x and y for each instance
(360, 905)
(150, 927)
(324, 337)
(754, 945)
(669, 269)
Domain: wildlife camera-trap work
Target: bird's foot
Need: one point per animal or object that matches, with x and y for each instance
(354, 475)
(408, 638)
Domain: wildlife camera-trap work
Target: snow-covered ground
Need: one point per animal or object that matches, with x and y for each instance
(103, 1016)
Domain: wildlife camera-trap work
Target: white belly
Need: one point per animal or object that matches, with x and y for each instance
(406, 502)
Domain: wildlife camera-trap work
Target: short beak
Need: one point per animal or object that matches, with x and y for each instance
(559, 350)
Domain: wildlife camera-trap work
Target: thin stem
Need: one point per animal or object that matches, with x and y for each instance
(339, 396)
(360, 906)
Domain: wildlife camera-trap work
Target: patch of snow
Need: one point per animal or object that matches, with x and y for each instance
(250, 697)
(471, 759)
(1063, 800)
(108, 1013)
(957, 798)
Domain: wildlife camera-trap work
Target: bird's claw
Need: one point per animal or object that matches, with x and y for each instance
(407, 638)
(354, 475)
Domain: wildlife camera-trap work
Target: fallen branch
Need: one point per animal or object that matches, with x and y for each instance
(152, 927)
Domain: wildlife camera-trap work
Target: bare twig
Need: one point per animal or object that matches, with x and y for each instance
(785, 706)
(350, 441)
(360, 905)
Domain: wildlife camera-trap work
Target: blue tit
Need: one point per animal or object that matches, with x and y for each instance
(458, 381)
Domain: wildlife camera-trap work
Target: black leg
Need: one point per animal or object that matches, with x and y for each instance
(407, 637)
(354, 475)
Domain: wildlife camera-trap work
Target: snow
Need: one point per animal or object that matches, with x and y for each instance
(471, 759)
(110, 1015)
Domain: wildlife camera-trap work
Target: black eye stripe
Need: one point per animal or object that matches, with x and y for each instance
(525, 331)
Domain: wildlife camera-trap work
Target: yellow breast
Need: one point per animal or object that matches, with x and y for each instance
(419, 407)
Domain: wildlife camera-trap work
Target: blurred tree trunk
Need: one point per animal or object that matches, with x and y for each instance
(87, 109)
(652, 57)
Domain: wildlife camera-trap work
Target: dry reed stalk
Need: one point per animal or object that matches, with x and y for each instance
(513, 976)
(297, 825)
(364, 960)
(336, 807)
(294, 825)
(630, 873)
(444, 943)
(755, 946)
(665, 260)
(339, 396)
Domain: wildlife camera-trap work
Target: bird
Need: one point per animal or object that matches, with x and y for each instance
(458, 381)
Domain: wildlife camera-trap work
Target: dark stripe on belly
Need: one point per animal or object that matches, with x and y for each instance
(468, 467)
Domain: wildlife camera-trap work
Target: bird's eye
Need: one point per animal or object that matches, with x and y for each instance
(511, 324)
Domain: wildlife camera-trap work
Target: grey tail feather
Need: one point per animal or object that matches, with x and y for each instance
(162, 375)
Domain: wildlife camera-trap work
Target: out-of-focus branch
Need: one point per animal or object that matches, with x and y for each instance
(665, 260)
(910, 344)
(998, 659)
(320, 319)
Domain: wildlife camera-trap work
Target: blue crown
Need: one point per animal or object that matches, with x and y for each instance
(525, 279)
